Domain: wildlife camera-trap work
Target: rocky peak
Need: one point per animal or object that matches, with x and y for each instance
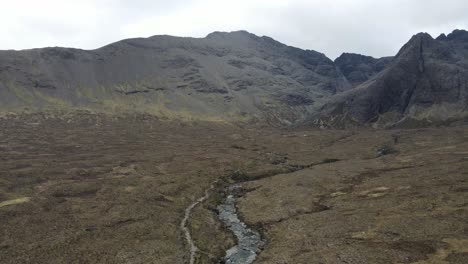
(458, 35)
(239, 34)
(416, 44)
(441, 37)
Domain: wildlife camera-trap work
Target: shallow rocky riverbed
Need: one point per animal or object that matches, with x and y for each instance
(249, 242)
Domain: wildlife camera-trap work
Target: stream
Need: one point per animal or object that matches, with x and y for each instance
(249, 242)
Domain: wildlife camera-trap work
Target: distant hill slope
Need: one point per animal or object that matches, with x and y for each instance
(427, 82)
(225, 76)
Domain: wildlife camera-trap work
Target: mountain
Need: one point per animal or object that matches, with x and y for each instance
(426, 82)
(359, 68)
(239, 76)
(224, 76)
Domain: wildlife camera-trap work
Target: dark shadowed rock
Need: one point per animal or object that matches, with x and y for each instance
(359, 68)
(426, 82)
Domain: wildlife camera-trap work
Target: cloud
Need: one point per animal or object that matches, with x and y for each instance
(376, 28)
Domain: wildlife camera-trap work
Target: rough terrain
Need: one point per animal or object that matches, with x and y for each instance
(407, 206)
(94, 188)
(109, 155)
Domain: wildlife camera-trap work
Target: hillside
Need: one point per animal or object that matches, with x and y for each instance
(225, 76)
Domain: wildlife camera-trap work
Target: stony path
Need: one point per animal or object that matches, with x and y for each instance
(184, 227)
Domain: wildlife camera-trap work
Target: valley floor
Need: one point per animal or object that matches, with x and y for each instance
(84, 188)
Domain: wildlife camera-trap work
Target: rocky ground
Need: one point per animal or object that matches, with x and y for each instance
(88, 188)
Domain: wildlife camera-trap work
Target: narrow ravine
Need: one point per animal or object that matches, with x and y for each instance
(184, 227)
(249, 242)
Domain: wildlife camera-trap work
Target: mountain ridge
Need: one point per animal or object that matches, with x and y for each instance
(237, 76)
(225, 76)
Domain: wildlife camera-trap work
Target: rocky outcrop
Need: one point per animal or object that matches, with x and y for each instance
(427, 80)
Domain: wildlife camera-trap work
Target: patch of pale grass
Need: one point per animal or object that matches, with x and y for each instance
(15, 201)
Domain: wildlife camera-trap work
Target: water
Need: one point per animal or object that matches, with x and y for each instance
(249, 241)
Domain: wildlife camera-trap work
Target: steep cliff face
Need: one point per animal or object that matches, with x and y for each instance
(426, 81)
(229, 76)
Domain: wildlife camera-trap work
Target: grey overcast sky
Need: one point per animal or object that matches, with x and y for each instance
(371, 27)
